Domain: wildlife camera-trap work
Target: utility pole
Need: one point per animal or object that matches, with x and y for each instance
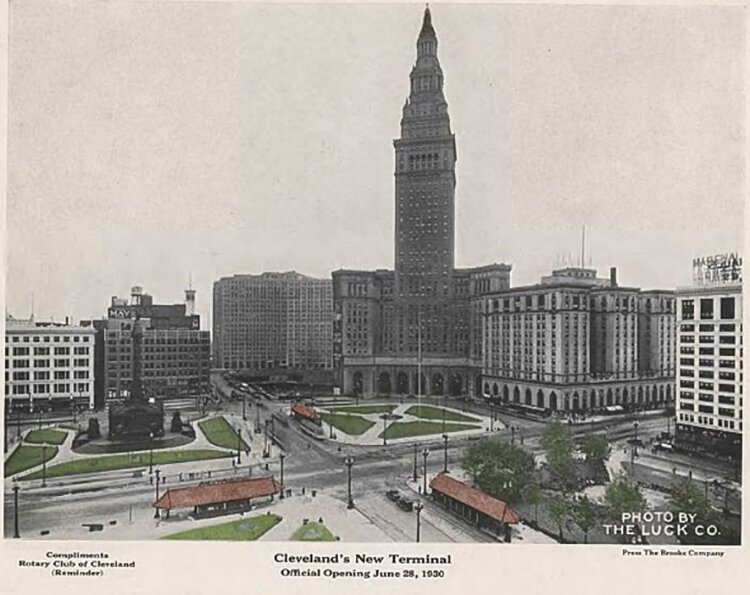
(425, 454)
(419, 506)
(16, 534)
(44, 466)
(156, 510)
(239, 444)
(349, 461)
(414, 478)
(445, 453)
(281, 458)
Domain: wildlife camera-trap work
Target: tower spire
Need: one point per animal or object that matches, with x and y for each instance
(427, 28)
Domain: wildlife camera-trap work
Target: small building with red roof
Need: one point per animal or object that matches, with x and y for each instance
(474, 505)
(221, 497)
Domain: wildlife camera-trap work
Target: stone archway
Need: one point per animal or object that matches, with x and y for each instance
(640, 395)
(456, 385)
(384, 383)
(402, 383)
(516, 395)
(527, 396)
(505, 393)
(358, 383)
(609, 397)
(553, 401)
(575, 403)
(661, 393)
(625, 396)
(495, 390)
(438, 384)
(540, 398)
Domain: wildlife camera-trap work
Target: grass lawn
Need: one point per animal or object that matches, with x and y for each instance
(46, 437)
(427, 412)
(404, 429)
(128, 461)
(364, 409)
(312, 532)
(26, 457)
(354, 425)
(248, 529)
(220, 433)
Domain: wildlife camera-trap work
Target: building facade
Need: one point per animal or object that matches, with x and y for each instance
(175, 352)
(710, 373)
(424, 312)
(577, 342)
(48, 365)
(272, 321)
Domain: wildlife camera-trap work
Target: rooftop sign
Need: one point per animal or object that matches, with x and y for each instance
(719, 269)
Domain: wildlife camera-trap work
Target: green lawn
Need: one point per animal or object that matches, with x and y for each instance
(128, 461)
(354, 425)
(220, 433)
(404, 429)
(427, 412)
(26, 457)
(46, 437)
(364, 409)
(312, 532)
(248, 529)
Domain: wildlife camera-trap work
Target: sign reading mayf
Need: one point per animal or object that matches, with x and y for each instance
(718, 269)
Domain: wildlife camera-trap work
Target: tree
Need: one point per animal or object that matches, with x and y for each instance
(498, 468)
(94, 433)
(622, 495)
(558, 510)
(558, 446)
(596, 448)
(584, 515)
(176, 425)
(688, 497)
(534, 496)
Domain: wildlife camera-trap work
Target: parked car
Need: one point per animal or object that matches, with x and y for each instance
(393, 495)
(406, 504)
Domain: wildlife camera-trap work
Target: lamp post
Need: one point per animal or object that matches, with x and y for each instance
(385, 427)
(281, 458)
(257, 416)
(239, 444)
(512, 435)
(425, 454)
(414, 477)
(150, 453)
(419, 506)
(443, 419)
(635, 440)
(349, 461)
(16, 534)
(265, 436)
(244, 407)
(492, 415)
(44, 465)
(156, 510)
(40, 417)
(445, 453)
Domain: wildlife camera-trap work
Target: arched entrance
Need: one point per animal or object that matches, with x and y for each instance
(495, 390)
(456, 385)
(553, 401)
(384, 383)
(358, 383)
(527, 396)
(516, 395)
(576, 402)
(539, 398)
(640, 395)
(609, 397)
(486, 389)
(505, 393)
(402, 383)
(437, 384)
(625, 396)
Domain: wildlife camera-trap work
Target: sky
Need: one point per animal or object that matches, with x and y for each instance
(150, 143)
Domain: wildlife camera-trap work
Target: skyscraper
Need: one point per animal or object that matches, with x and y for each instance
(385, 320)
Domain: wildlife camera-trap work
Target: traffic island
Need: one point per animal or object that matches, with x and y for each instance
(310, 531)
(246, 529)
(26, 457)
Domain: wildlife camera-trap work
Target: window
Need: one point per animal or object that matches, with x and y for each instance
(707, 308)
(20, 351)
(41, 363)
(726, 388)
(20, 375)
(43, 375)
(726, 351)
(727, 308)
(688, 310)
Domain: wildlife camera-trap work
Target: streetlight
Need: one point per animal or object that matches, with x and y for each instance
(239, 444)
(281, 458)
(16, 534)
(40, 417)
(150, 453)
(425, 454)
(445, 453)
(512, 435)
(415, 462)
(492, 415)
(349, 461)
(443, 420)
(244, 405)
(44, 465)
(265, 434)
(385, 427)
(635, 440)
(156, 510)
(419, 506)
(257, 416)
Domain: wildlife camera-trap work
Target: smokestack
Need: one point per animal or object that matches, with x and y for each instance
(67, 321)
(613, 276)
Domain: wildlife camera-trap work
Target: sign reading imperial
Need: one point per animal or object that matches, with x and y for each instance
(718, 269)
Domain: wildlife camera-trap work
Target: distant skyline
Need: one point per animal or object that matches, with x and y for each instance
(150, 142)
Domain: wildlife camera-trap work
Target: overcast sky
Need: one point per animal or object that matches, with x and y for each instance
(152, 141)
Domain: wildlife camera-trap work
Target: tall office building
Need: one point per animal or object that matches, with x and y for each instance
(577, 342)
(385, 320)
(175, 352)
(48, 365)
(272, 321)
(710, 374)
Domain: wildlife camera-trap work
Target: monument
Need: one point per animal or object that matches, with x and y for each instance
(137, 418)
